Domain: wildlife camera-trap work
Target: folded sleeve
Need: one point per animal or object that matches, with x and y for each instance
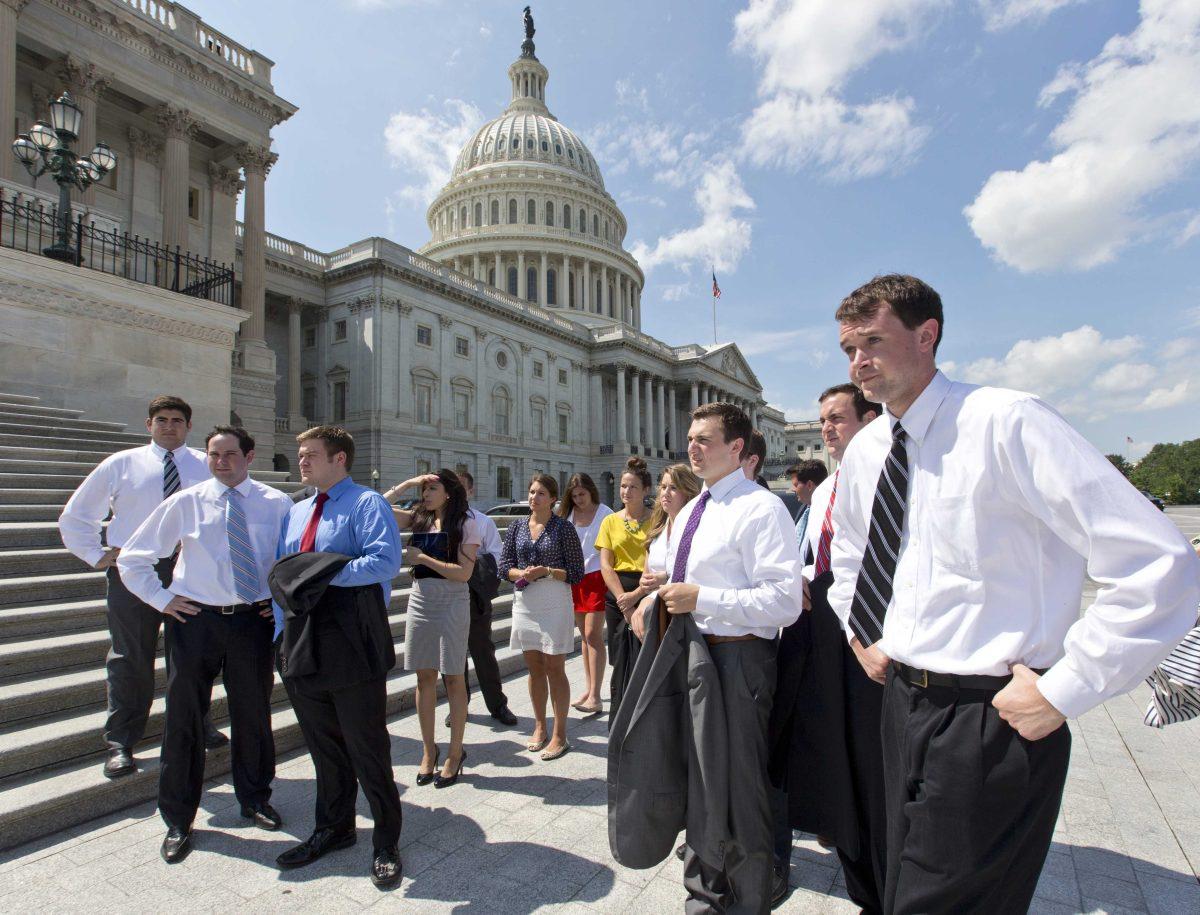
(378, 541)
(82, 518)
(156, 539)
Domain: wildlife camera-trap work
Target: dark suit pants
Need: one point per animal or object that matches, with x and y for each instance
(865, 874)
(747, 673)
(971, 805)
(482, 651)
(623, 646)
(237, 647)
(346, 732)
(133, 627)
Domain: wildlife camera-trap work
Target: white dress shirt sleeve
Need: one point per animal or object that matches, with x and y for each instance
(156, 539)
(850, 533)
(771, 557)
(1148, 575)
(82, 518)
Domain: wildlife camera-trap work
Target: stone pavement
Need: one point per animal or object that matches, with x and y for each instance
(519, 835)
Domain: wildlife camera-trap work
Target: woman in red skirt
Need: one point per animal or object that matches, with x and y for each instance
(583, 509)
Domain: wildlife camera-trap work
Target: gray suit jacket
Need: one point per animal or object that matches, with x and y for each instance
(668, 756)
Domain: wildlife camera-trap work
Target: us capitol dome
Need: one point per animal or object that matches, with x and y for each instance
(525, 210)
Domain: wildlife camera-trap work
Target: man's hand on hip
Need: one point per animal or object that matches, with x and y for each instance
(108, 559)
(680, 597)
(873, 661)
(180, 608)
(1024, 707)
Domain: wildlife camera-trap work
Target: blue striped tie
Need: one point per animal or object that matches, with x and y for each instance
(241, 553)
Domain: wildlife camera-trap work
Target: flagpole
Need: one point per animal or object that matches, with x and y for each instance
(714, 301)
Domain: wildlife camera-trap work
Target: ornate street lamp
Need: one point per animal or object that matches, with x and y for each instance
(47, 148)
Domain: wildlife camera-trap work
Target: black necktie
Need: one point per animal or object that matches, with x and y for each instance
(873, 592)
(170, 476)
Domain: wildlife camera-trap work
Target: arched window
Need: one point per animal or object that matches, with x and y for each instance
(502, 409)
(529, 142)
(462, 218)
(491, 276)
(478, 214)
(549, 212)
(545, 146)
(516, 143)
(606, 233)
(512, 280)
(599, 298)
(596, 225)
(512, 211)
(567, 215)
(582, 222)
(531, 284)
(530, 212)
(551, 287)
(495, 212)
(571, 290)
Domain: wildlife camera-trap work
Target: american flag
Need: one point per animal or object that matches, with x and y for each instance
(716, 288)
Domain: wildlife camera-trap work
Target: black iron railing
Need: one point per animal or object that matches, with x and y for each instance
(32, 227)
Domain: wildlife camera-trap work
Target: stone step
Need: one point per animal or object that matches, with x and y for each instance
(28, 456)
(26, 589)
(37, 409)
(29, 479)
(34, 562)
(103, 444)
(22, 399)
(52, 469)
(47, 693)
(72, 792)
(35, 512)
(29, 535)
(17, 416)
(34, 496)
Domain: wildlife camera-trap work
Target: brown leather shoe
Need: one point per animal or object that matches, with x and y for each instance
(120, 762)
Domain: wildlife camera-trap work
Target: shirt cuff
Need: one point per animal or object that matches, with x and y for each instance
(91, 557)
(1063, 688)
(160, 600)
(708, 601)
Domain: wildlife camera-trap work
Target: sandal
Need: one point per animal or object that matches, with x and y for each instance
(534, 747)
(562, 751)
(590, 710)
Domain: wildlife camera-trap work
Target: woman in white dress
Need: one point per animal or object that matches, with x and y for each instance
(677, 487)
(542, 558)
(584, 510)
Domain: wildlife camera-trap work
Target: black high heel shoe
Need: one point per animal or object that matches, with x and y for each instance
(424, 778)
(445, 781)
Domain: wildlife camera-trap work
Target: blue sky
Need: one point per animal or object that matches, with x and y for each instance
(1034, 160)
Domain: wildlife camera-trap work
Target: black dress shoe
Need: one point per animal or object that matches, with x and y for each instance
(680, 850)
(176, 845)
(318, 844)
(214, 738)
(119, 762)
(264, 816)
(504, 716)
(779, 885)
(387, 868)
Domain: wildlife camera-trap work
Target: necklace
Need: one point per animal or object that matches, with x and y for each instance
(630, 529)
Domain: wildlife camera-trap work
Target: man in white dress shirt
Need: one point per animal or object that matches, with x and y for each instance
(130, 484)
(966, 521)
(219, 622)
(737, 570)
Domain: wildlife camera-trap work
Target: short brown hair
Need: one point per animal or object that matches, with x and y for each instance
(862, 406)
(169, 402)
(546, 480)
(245, 440)
(756, 447)
(580, 479)
(808, 471)
(913, 301)
(335, 438)
(734, 421)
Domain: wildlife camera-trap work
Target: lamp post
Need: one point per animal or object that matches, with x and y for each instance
(375, 479)
(47, 148)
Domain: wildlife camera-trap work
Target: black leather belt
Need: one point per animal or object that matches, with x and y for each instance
(230, 609)
(928, 678)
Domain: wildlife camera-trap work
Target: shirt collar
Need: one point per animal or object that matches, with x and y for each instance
(340, 488)
(919, 415)
(725, 485)
(161, 453)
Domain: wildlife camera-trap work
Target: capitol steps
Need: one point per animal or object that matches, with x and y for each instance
(54, 637)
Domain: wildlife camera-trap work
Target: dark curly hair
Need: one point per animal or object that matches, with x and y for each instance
(454, 512)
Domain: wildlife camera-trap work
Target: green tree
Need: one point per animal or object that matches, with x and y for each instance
(1121, 464)
(1171, 468)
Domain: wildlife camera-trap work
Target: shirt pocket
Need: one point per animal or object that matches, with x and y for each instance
(954, 539)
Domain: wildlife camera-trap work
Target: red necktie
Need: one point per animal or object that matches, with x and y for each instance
(308, 541)
(822, 563)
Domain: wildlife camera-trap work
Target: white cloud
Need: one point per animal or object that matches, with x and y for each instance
(1190, 231)
(485, 31)
(1132, 130)
(806, 51)
(1174, 396)
(632, 96)
(1004, 14)
(722, 236)
(424, 145)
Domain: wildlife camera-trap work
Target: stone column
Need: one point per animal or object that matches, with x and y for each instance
(9, 11)
(522, 287)
(500, 273)
(226, 183)
(586, 301)
(637, 307)
(673, 412)
(596, 409)
(143, 165)
(256, 161)
(475, 266)
(635, 397)
(85, 84)
(660, 439)
(179, 127)
(622, 429)
(295, 347)
(600, 309)
(754, 416)
(650, 436)
(544, 287)
(695, 399)
(564, 283)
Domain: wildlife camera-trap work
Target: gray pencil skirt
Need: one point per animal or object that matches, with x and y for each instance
(438, 622)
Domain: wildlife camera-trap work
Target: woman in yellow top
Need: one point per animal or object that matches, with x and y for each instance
(622, 546)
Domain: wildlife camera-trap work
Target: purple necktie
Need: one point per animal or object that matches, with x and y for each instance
(685, 542)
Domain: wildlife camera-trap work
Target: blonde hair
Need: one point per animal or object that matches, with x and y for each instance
(684, 480)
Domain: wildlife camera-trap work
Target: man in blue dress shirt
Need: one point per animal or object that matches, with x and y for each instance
(342, 707)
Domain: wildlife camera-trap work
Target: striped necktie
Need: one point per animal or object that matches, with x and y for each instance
(170, 476)
(241, 552)
(821, 566)
(873, 592)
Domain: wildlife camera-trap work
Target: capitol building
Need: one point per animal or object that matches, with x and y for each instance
(509, 343)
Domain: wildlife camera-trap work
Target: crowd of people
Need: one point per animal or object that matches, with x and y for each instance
(891, 669)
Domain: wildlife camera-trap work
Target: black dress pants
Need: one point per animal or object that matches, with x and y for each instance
(482, 651)
(238, 647)
(971, 805)
(865, 875)
(747, 674)
(346, 732)
(623, 645)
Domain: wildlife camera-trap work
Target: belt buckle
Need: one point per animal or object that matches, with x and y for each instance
(924, 679)
(226, 610)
